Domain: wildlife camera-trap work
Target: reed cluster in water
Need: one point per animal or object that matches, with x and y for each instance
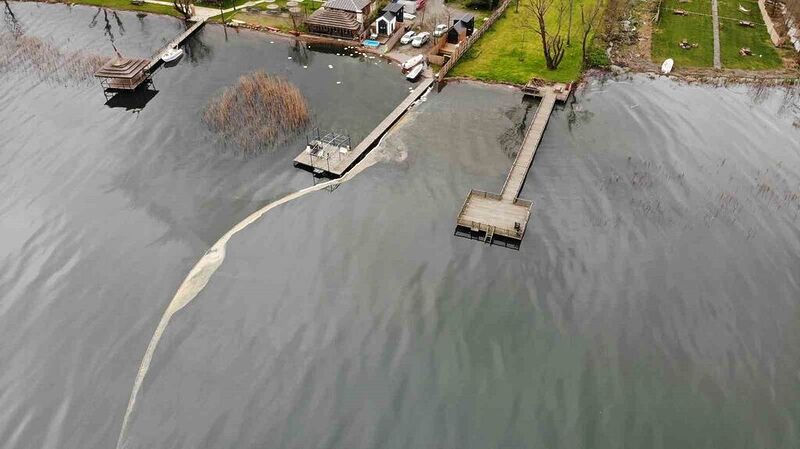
(28, 53)
(259, 111)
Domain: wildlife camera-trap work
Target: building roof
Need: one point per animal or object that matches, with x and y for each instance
(459, 27)
(334, 18)
(122, 68)
(393, 7)
(347, 5)
(467, 17)
(388, 16)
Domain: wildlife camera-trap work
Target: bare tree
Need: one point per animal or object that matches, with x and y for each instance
(185, 7)
(590, 14)
(553, 43)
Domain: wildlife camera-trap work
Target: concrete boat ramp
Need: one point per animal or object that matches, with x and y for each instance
(485, 215)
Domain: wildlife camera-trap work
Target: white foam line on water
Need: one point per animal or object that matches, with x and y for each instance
(200, 274)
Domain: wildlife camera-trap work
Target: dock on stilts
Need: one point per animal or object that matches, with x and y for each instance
(485, 215)
(336, 163)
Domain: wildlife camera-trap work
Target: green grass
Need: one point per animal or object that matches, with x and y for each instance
(698, 29)
(509, 52)
(128, 6)
(672, 29)
(733, 37)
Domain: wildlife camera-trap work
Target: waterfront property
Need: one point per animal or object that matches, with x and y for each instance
(685, 31)
(486, 215)
(126, 74)
(340, 18)
(329, 156)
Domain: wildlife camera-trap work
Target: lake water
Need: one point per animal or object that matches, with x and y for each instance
(653, 302)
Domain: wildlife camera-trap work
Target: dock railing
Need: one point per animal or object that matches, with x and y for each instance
(482, 227)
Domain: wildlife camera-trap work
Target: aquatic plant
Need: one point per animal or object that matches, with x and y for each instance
(29, 53)
(259, 111)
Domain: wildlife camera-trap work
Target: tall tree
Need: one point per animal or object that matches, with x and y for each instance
(590, 15)
(185, 7)
(553, 43)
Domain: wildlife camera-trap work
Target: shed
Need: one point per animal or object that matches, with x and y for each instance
(456, 33)
(469, 22)
(385, 24)
(396, 9)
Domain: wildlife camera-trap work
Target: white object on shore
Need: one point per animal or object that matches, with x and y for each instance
(412, 62)
(414, 73)
(666, 67)
(171, 54)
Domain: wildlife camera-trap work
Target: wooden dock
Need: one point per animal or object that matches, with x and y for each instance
(156, 59)
(487, 215)
(336, 163)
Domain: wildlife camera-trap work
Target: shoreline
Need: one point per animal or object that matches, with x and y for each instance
(624, 59)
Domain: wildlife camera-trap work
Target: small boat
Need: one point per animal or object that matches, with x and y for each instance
(414, 73)
(171, 54)
(666, 67)
(743, 9)
(413, 62)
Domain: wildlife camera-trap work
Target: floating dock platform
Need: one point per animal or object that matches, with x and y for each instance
(486, 215)
(334, 164)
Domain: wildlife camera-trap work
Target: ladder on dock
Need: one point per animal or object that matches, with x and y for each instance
(489, 235)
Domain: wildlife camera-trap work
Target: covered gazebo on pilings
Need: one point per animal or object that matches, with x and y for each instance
(122, 73)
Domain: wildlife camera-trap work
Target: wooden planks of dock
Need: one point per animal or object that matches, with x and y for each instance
(505, 214)
(336, 164)
(156, 59)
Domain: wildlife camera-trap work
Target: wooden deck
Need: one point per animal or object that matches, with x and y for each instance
(505, 214)
(156, 59)
(337, 163)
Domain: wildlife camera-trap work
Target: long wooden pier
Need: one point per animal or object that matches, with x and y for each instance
(156, 59)
(486, 215)
(336, 163)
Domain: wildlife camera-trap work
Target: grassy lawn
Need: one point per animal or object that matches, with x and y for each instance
(672, 29)
(512, 53)
(733, 37)
(276, 20)
(127, 5)
(466, 5)
(698, 29)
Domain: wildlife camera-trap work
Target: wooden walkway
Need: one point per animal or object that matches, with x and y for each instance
(336, 164)
(156, 59)
(505, 214)
(715, 24)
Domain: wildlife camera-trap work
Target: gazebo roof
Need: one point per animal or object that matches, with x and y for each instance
(122, 68)
(347, 5)
(335, 18)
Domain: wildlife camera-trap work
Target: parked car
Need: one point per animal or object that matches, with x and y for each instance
(440, 30)
(408, 37)
(421, 39)
(409, 17)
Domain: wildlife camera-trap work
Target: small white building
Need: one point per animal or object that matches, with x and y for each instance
(392, 18)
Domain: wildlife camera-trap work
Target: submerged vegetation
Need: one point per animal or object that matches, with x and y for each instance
(27, 53)
(260, 110)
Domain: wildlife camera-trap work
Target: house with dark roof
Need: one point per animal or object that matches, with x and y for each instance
(390, 20)
(340, 18)
(462, 28)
